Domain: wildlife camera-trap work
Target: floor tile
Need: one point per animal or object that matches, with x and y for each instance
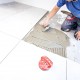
(22, 64)
(5, 1)
(73, 70)
(7, 43)
(9, 9)
(20, 24)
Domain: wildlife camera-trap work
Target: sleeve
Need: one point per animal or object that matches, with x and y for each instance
(60, 3)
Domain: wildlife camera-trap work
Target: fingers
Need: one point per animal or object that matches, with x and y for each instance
(77, 36)
(44, 22)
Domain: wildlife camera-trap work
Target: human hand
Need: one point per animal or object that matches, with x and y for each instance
(45, 22)
(77, 35)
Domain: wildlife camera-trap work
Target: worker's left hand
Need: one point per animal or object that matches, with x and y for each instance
(77, 35)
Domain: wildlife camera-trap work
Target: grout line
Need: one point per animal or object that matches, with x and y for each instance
(66, 69)
(10, 52)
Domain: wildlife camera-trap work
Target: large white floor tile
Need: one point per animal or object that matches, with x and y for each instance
(7, 43)
(73, 51)
(10, 9)
(20, 24)
(73, 70)
(22, 64)
(5, 1)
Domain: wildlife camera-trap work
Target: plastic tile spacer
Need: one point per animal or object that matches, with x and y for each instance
(45, 63)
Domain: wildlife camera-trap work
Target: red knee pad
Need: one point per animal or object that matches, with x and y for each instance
(45, 63)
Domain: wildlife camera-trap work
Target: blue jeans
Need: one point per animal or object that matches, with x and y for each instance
(71, 23)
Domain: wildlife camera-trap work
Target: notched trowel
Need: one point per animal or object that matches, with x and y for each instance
(47, 28)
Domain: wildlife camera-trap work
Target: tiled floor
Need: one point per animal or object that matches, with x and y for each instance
(20, 19)
(22, 64)
(7, 44)
(16, 20)
(16, 56)
(10, 9)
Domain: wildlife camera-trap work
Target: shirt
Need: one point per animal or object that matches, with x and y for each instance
(73, 7)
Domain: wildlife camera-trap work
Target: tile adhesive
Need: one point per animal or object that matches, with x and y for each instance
(52, 40)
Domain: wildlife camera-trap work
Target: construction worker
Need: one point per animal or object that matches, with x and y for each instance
(72, 22)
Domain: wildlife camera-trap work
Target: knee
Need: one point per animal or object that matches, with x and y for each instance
(65, 28)
(62, 27)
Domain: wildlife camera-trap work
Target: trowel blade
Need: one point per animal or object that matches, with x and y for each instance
(46, 29)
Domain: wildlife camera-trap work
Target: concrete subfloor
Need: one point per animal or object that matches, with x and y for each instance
(52, 40)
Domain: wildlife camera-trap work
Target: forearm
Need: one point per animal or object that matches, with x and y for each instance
(53, 12)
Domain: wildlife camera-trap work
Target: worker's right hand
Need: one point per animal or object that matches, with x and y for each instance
(45, 22)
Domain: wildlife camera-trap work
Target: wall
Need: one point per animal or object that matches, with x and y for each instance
(5, 1)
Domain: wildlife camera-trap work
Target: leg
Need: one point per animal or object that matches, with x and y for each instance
(69, 24)
(77, 32)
